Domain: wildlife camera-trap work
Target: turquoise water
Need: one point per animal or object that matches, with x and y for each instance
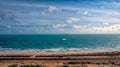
(59, 42)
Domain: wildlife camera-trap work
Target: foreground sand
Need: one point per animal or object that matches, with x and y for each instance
(61, 59)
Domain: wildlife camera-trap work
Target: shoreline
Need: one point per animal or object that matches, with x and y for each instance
(60, 53)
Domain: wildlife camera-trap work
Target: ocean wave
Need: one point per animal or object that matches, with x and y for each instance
(61, 49)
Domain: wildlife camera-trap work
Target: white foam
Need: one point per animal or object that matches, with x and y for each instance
(61, 49)
(64, 39)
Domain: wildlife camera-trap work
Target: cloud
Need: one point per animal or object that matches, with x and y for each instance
(77, 26)
(81, 28)
(72, 19)
(102, 7)
(8, 18)
(44, 13)
(9, 26)
(101, 19)
(117, 4)
(86, 10)
(6, 15)
(106, 23)
(23, 4)
(97, 30)
(112, 28)
(83, 12)
(52, 9)
(57, 26)
(6, 26)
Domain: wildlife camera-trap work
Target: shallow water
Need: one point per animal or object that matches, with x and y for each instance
(59, 42)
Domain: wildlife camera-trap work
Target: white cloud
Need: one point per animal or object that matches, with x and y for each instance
(9, 26)
(57, 26)
(104, 12)
(106, 23)
(49, 10)
(77, 26)
(108, 29)
(101, 19)
(53, 9)
(107, 12)
(113, 29)
(83, 12)
(72, 19)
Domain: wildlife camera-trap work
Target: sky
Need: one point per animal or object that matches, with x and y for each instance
(59, 16)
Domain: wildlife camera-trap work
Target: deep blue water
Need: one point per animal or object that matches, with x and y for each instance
(59, 42)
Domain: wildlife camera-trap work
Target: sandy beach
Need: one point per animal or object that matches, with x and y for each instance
(61, 59)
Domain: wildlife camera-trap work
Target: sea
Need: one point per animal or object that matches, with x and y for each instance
(15, 43)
